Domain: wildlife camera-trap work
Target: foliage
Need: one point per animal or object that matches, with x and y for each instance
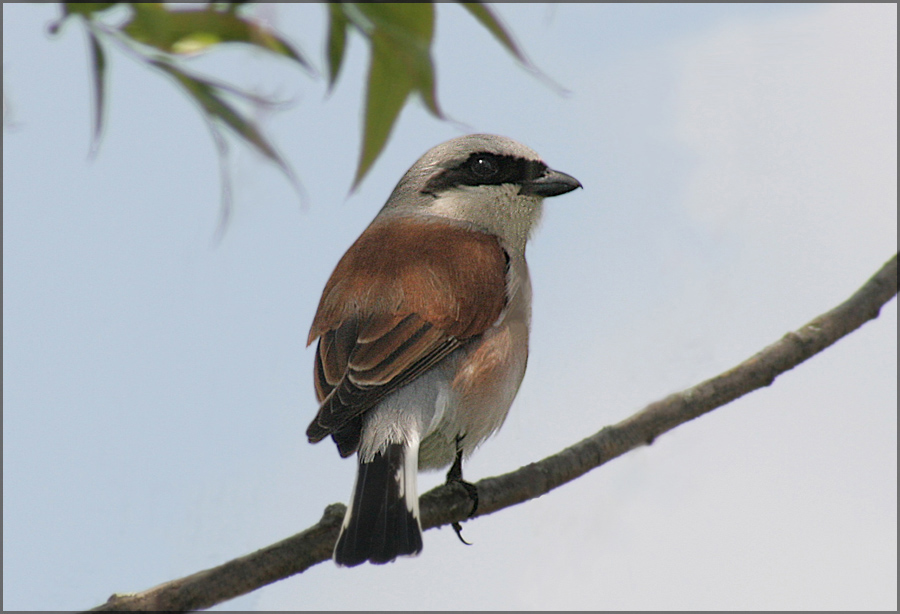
(161, 36)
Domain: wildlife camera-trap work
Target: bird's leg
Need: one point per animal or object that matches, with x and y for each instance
(454, 476)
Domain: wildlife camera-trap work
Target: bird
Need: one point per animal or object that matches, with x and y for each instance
(422, 331)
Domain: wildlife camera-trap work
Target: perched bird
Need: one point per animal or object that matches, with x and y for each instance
(423, 330)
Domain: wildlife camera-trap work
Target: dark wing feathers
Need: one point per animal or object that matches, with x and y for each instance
(362, 386)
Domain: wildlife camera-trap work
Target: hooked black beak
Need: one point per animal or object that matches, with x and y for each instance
(551, 183)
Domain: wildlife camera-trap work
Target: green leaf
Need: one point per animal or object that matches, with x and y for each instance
(483, 14)
(98, 60)
(86, 8)
(191, 31)
(337, 41)
(487, 18)
(207, 96)
(388, 88)
(408, 29)
(400, 37)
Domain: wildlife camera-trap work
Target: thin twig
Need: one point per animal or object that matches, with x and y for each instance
(448, 504)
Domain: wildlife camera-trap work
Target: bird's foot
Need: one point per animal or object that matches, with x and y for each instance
(454, 476)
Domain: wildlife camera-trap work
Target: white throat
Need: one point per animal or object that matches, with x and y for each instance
(499, 210)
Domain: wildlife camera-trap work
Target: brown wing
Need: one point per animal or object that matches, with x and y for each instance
(403, 297)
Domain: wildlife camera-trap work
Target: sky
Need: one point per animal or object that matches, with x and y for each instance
(739, 165)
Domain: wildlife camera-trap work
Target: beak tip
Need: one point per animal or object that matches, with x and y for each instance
(551, 183)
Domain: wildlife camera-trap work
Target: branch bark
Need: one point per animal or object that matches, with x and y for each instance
(448, 504)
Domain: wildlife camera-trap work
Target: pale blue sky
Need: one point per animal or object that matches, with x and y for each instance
(739, 165)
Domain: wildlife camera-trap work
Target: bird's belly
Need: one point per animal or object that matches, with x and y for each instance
(486, 380)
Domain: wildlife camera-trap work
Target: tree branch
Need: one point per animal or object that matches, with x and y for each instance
(447, 504)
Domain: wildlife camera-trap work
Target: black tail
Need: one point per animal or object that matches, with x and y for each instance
(382, 521)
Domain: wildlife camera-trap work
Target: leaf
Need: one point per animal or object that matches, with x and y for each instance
(385, 96)
(86, 8)
(482, 13)
(400, 37)
(99, 64)
(191, 31)
(207, 96)
(409, 29)
(337, 41)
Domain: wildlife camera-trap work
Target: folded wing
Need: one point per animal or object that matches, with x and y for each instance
(406, 294)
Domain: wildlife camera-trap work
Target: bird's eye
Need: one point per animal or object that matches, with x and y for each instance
(484, 167)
